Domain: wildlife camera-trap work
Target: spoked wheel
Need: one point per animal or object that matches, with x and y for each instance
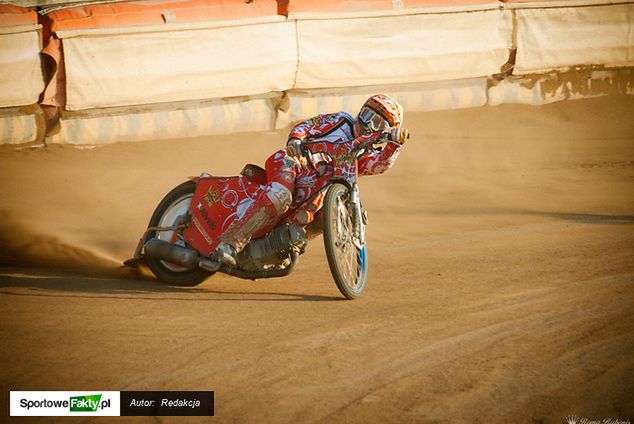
(346, 257)
(174, 206)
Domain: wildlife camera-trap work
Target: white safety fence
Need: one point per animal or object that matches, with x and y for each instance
(167, 121)
(173, 63)
(197, 79)
(560, 37)
(21, 82)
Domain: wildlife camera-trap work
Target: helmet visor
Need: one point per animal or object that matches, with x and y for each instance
(372, 120)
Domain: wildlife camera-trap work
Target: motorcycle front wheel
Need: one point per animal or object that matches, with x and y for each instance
(348, 262)
(175, 204)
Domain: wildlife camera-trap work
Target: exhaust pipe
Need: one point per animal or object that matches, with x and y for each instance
(191, 259)
(168, 252)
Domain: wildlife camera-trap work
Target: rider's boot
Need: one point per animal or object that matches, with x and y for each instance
(225, 254)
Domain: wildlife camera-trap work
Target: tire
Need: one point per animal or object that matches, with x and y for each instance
(173, 205)
(348, 263)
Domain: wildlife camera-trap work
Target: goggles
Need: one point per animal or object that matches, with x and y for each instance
(372, 120)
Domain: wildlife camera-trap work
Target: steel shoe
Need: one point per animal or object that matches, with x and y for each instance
(225, 254)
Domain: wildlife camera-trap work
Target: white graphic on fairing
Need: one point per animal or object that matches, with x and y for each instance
(239, 213)
(229, 199)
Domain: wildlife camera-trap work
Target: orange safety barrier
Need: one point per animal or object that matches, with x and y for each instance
(157, 12)
(542, 4)
(534, 1)
(311, 6)
(15, 15)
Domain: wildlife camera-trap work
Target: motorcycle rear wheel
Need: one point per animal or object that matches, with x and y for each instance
(348, 263)
(173, 205)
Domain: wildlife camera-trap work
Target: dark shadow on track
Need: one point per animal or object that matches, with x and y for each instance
(580, 218)
(52, 283)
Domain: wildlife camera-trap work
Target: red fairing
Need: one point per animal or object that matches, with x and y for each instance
(215, 205)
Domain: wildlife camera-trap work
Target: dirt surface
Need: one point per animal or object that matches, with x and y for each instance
(500, 289)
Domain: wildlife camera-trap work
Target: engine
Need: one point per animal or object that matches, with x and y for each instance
(273, 248)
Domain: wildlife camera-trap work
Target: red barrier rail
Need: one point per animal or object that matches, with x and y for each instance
(15, 15)
(142, 13)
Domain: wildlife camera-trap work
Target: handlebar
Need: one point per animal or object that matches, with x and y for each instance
(361, 148)
(357, 150)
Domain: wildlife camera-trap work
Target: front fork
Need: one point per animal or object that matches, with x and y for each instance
(359, 217)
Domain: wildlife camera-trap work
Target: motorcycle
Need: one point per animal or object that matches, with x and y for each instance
(185, 227)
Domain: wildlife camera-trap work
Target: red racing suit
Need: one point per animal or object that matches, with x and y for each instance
(290, 180)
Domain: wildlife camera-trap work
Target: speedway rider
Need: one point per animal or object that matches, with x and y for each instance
(291, 171)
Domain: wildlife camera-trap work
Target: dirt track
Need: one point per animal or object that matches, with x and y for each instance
(500, 288)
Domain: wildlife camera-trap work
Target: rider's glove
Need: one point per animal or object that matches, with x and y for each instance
(400, 135)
